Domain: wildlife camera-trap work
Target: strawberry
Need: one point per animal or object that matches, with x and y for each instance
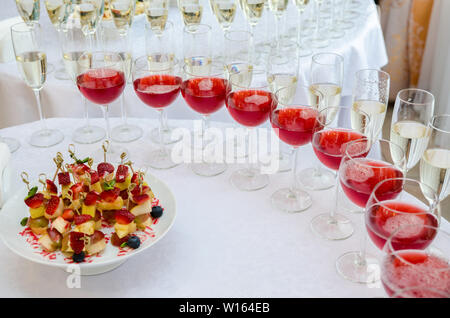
(137, 190)
(145, 189)
(94, 176)
(80, 168)
(135, 178)
(91, 198)
(63, 178)
(76, 189)
(76, 241)
(55, 236)
(52, 205)
(110, 195)
(85, 188)
(116, 241)
(122, 173)
(97, 236)
(109, 216)
(124, 216)
(141, 198)
(98, 215)
(124, 194)
(68, 215)
(51, 186)
(104, 168)
(35, 201)
(80, 219)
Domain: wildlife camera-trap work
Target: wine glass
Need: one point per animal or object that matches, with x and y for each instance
(371, 95)
(157, 12)
(122, 12)
(74, 44)
(88, 13)
(225, 11)
(361, 169)
(191, 11)
(31, 61)
(301, 6)
(157, 84)
(101, 79)
(417, 273)
(253, 10)
(294, 123)
(326, 76)
(335, 31)
(318, 40)
(204, 90)
(116, 41)
(329, 144)
(250, 105)
(413, 110)
(29, 10)
(278, 7)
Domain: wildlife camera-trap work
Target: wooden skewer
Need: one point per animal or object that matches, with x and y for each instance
(24, 177)
(105, 148)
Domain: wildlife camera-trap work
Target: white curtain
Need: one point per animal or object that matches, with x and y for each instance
(435, 73)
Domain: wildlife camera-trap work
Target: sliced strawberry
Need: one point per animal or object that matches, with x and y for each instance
(109, 216)
(97, 236)
(80, 219)
(104, 168)
(85, 188)
(94, 176)
(63, 178)
(124, 216)
(55, 236)
(51, 186)
(79, 168)
(68, 215)
(35, 201)
(76, 241)
(141, 198)
(145, 189)
(98, 216)
(116, 241)
(110, 195)
(135, 178)
(76, 189)
(137, 190)
(122, 173)
(91, 198)
(124, 194)
(52, 205)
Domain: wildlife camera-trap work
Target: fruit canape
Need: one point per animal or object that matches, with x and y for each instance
(70, 217)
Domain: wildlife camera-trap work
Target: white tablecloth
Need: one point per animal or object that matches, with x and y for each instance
(362, 47)
(224, 242)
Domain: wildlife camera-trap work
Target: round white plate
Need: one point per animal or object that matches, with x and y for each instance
(26, 245)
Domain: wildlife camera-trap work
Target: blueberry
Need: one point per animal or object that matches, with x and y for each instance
(157, 211)
(78, 258)
(134, 242)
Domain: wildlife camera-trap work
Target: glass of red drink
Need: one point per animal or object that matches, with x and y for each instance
(294, 124)
(249, 102)
(363, 166)
(101, 80)
(418, 273)
(329, 144)
(157, 83)
(204, 89)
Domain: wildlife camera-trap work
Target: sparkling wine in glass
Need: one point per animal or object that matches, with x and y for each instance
(157, 85)
(122, 12)
(253, 11)
(191, 11)
(27, 39)
(29, 10)
(157, 12)
(278, 7)
(413, 110)
(224, 11)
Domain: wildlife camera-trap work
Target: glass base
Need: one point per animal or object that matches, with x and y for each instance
(160, 159)
(207, 169)
(167, 136)
(336, 228)
(317, 179)
(291, 201)
(61, 74)
(46, 138)
(112, 155)
(126, 133)
(88, 134)
(249, 179)
(350, 267)
(336, 34)
(319, 43)
(13, 144)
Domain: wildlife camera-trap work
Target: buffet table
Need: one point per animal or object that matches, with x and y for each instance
(362, 47)
(224, 242)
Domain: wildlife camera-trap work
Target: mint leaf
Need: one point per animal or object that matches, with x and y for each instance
(109, 185)
(83, 161)
(31, 193)
(24, 221)
(123, 244)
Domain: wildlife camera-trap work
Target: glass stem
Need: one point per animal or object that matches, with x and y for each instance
(86, 111)
(299, 28)
(362, 248)
(250, 152)
(252, 44)
(316, 32)
(277, 31)
(123, 108)
(38, 101)
(105, 111)
(294, 169)
(336, 194)
(161, 128)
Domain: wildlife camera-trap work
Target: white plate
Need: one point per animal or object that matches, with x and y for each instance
(15, 209)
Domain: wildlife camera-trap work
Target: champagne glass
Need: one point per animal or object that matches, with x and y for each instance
(29, 10)
(191, 11)
(116, 41)
(301, 6)
(74, 44)
(225, 11)
(253, 10)
(371, 95)
(101, 79)
(278, 7)
(360, 171)
(32, 64)
(329, 144)
(204, 90)
(435, 161)
(417, 273)
(294, 123)
(250, 105)
(157, 12)
(326, 76)
(88, 13)
(318, 40)
(122, 12)
(413, 110)
(157, 84)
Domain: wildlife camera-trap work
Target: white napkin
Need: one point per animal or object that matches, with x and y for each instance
(6, 48)
(5, 156)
